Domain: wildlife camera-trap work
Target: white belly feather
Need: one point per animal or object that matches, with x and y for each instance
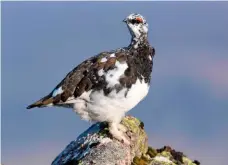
(111, 107)
(116, 104)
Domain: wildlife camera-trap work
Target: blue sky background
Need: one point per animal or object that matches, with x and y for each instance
(187, 107)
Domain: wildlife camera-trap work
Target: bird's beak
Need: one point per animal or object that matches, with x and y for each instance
(125, 20)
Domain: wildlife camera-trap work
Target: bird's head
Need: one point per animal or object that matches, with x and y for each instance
(137, 25)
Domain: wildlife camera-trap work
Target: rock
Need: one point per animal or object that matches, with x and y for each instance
(97, 147)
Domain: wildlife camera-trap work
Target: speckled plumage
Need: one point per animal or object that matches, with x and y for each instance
(106, 86)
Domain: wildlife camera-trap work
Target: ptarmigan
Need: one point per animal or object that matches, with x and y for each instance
(106, 86)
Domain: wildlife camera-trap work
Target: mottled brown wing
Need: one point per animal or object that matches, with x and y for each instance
(82, 78)
(68, 85)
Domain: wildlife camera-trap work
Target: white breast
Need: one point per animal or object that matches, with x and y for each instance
(115, 105)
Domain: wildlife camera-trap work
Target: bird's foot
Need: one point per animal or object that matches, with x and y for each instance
(122, 128)
(117, 134)
(125, 141)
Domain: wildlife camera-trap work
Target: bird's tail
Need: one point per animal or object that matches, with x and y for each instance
(47, 100)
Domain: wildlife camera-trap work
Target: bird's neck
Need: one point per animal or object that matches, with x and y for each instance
(136, 41)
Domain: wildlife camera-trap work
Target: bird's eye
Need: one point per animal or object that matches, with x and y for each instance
(133, 21)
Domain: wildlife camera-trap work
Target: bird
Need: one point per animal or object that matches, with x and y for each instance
(106, 86)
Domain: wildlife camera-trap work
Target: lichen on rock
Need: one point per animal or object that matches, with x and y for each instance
(96, 146)
(164, 156)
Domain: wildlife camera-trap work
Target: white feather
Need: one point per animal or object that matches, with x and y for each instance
(57, 91)
(112, 76)
(113, 55)
(112, 107)
(104, 59)
(100, 72)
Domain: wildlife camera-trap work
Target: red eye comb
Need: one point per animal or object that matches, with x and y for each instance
(139, 19)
